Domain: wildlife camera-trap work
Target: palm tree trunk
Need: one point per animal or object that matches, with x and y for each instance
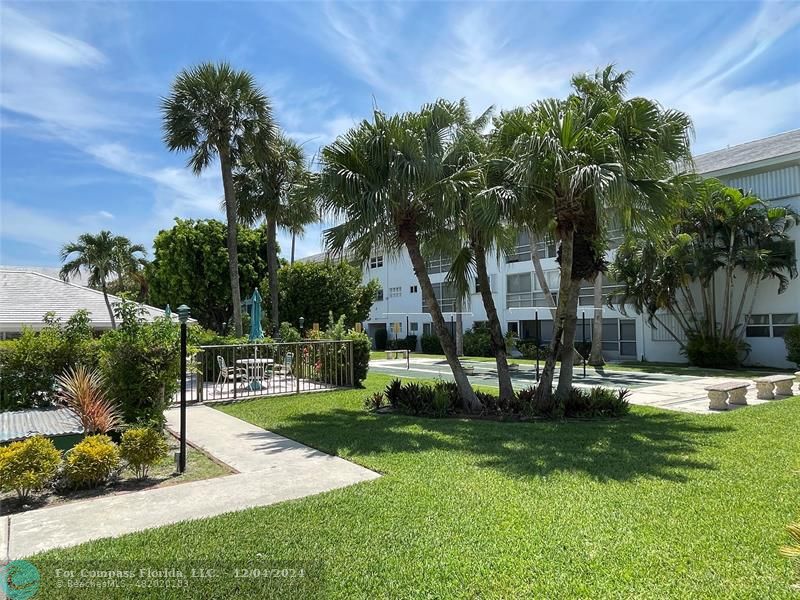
(544, 390)
(108, 304)
(465, 391)
(291, 259)
(233, 253)
(496, 340)
(272, 273)
(596, 355)
(459, 332)
(539, 273)
(568, 345)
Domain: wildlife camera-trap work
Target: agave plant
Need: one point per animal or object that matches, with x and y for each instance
(82, 392)
(792, 551)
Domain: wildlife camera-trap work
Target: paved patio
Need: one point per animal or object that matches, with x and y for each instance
(672, 392)
(271, 469)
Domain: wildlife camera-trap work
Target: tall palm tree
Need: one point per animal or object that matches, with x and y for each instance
(390, 184)
(104, 256)
(214, 111)
(478, 227)
(597, 158)
(272, 184)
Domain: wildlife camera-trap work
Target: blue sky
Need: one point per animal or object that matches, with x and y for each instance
(80, 86)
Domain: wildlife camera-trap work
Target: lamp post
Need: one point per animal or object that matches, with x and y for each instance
(183, 317)
(302, 320)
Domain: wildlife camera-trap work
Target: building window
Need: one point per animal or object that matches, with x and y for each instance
(438, 264)
(395, 292)
(448, 298)
(375, 262)
(426, 329)
(379, 295)
(413, 326)
(397, 328)
(413, 289)
(513, 327)
(492, 284)
(757, 326)
(518, 290)
(782, 322)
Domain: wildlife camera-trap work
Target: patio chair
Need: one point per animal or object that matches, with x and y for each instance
(286, 367)
(227, 373)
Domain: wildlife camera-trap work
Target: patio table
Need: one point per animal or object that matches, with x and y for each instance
(255, 369)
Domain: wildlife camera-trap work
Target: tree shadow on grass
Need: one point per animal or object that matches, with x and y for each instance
(642, 444)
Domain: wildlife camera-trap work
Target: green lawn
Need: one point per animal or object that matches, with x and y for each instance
(655, 505)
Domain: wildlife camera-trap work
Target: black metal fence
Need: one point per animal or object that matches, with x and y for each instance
(223, 373)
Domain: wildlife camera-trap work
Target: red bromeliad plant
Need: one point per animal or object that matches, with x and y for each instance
(82, 392)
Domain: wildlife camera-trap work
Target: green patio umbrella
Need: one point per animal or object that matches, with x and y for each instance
(256, 333)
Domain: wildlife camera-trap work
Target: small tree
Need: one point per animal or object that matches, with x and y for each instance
(792, 340)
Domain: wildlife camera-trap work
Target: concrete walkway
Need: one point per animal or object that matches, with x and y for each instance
(271, 469)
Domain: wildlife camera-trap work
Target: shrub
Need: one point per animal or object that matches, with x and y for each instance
(381, 338)
(82, 391)
(288, 334)
(30, 363)
(477, 341)
(714, 352)
(411, 343)
(92, 461)
(430, 344)
(361, 349)
(438, 399)
(141, 448)
(792, 340)
(140, 363)
(28, 466)
(530, 351)
(375, 401)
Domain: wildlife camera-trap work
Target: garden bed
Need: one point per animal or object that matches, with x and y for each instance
(199, 466)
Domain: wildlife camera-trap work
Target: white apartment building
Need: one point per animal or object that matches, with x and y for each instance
(770, 167)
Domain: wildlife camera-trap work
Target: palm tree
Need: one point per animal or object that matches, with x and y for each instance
(479, 226)
(272, 183)
(596, 158)
(214, 111)
(390, 183)
(104, 256)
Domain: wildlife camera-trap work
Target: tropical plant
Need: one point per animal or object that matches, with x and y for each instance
(91, 462)
(288, 333)
(190, 266)
(478, 224)
(271, 183)
(313, 289)
(391, 184)
(140, 365)
(82, 392)
(595, 160)
(718, 232)
(103, 256)
(214, 111)
(141, 448)
(28, 465)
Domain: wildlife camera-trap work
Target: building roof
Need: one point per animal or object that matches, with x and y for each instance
(25, 297)
(82, 278)
(21, 424)
(767, 148)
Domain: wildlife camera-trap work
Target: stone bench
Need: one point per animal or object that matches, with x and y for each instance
(781, 384)
(396, 353)
(727, 392)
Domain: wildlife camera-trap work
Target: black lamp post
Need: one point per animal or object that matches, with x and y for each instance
(302, 320)
(183, 317)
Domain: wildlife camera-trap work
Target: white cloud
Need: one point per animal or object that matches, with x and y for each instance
(27, 37)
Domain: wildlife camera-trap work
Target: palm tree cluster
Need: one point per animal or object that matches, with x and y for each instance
(717, 233)
(566, 169)
(106, 258)
(218, 113)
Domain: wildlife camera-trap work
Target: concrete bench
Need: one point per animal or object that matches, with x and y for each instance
(780, 384)
(727, 392)
(396, 353)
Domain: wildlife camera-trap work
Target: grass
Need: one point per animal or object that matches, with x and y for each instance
(198, 466)
(654, 505)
